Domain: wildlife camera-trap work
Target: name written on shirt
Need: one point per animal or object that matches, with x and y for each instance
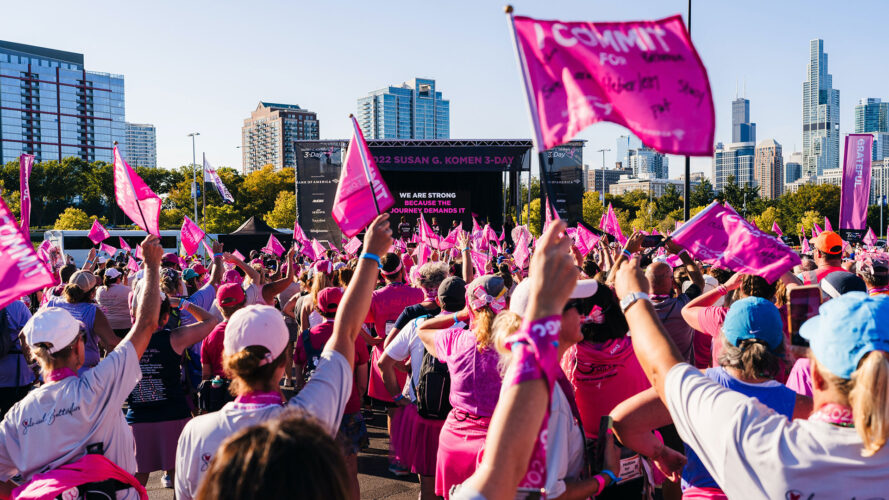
(48, 418)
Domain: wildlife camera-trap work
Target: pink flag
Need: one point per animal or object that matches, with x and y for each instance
(332, 246)
(26, 162)
(361, 193)
(870, 238)
(207, 247)
(521, 252)
(123, 245)
(132, 265)
(238, 254)
(777, 229)
(475, 225)
(612, 226)
(855, 190)
(721, 237)
(427, 235)
(274, 246)
(805, 245)
(213, 177)
(299, 235)
(423, 253)
(827, 226)
(605, 215)
(352, 246)
(318, 248)
(191, 236)
(134, 197)
(644, 75)
(478, 261)
(97, 233)
(589, 238)
(816, 230)
(21, 272)
(110, 250)
(451, 240)
(502, 234)
(549, 214)
(138, 252)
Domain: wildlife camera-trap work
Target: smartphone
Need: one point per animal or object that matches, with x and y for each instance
(803, 303)
(652, 240)
(605, 425)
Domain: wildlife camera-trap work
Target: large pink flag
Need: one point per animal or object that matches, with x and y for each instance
(318, 249)
(855, 190)
(124, 245)
(110, 250)
(777, 229)
(427, 235)
(361, 193)
(816, 230)
(213, 177)
(644, 75)
(98, 233)
(274, 246)
(870, 238)
(521, 252)
(132, 265)
(588, 238)
(299, 235)
(721, 237)
(478, 260)
(451, 240)
(191, 235)
(21, 271)
(612, 226)
(26, 163)
(134, 197)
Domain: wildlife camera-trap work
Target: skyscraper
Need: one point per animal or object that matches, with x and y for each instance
(414, 110)
(742, 129)
(53, 108)
(793, 169)
(267, 136)
(643, 161)
(735, 160)
(872, 116)
(141, 145)
(768, 169)
(821, 115)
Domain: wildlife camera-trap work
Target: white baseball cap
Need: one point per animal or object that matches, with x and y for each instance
(256, 325)
(112, 273)
(522, 293)
(53, 326)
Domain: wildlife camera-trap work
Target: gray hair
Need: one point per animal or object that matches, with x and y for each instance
(431, 275)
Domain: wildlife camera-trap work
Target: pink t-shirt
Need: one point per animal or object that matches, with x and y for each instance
(211, 349)
(475, 378)
(385, 307)
(800, 379)
(603, 375)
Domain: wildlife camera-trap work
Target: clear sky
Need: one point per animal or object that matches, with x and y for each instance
(200, 65)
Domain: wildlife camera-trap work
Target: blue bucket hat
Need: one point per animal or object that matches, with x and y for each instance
(846, 329)
(754, 318)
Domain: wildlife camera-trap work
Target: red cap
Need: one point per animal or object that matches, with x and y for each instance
(230, 294)
(199, 268)
(329, 299)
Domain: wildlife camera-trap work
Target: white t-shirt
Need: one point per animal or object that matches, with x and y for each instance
(253, 295)
(753, 452)
(564, 445)
(408, 344)
(324, 397)
(54, 424)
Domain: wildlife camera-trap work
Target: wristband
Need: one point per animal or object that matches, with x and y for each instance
(455, 319)
(614, 479)
(398, 398)
(217, 255)
(465, 249)
(722, 290)
(601, 481)
(627, 253)
(373, 257)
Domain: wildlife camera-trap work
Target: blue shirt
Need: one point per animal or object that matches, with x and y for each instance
(14, 371)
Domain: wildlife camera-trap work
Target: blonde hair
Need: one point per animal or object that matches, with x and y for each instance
(505, 324)
(319, 282)
(48, 360)
(868, 392)
(246, 372)
(484, 320)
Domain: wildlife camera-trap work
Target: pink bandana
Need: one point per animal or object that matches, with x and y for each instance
(60, 374)
(254, 400)
(595, 316)
(480, 298)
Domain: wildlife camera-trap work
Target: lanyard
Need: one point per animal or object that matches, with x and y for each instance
(835, 414)
(60, 374)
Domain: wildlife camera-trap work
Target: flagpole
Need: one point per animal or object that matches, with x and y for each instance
(135, 197)
(357, 133)
(204, 193)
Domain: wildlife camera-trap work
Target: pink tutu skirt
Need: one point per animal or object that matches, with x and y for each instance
(460, 445)
(419, 441)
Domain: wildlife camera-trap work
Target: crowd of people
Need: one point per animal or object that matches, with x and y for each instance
(625, 371)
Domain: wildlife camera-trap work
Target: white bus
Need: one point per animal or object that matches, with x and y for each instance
(78, 245)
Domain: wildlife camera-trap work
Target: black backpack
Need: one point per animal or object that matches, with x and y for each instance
(312, 356)
(433, 388)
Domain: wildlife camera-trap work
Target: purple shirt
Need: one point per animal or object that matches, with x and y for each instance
(475, 378)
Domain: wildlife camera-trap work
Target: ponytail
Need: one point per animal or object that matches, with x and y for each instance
(869, 399)
(484, 320)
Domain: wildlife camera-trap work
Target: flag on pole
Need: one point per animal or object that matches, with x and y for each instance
(274, 246)
(134, 197)
(207, 247)
(777, 229)
(318, 248)
(587, 238)
(816, 230)
(427, 235)
(521, 253)
(870, 238)
(110, 250)
(805, 245)
(26, 162)
(576, 74)
(123, 245)
(299, 235)
(855, 189)
(132, 265)
(21, 271)
(211, 175)
(98, 233)
(361, 193)
(191, 236)
(827, 226)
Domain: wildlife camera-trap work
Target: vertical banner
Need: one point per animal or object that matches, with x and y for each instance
(564, 170)
(26, 162)
(318, 167)
(855, 190)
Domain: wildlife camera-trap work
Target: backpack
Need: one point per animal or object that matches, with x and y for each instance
(9, 337)
(433, 387)
(312, 356)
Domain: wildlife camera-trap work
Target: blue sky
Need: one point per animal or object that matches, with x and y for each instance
(203, 65)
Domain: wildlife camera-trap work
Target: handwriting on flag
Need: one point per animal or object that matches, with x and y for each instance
(644, 75)
(213, 177)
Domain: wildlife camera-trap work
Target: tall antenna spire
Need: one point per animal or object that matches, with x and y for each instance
(745, 87)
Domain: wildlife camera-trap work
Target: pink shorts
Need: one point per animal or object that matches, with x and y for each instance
(460, 445)
(418, 441)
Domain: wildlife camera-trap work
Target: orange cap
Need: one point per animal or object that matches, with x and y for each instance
(829, 242)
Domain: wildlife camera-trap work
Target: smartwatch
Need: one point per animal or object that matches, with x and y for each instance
(631, 299)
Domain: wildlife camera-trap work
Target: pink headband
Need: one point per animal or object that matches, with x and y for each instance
(394, 271)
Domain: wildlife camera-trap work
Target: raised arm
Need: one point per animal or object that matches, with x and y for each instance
(185, 336)
(270, 290)
(634, 244)
(691, 312)
(356, 301)
(90, 263)
(691, 267)
(249, 271)
(656, 352)
(150, 302)
(634, 421)
(216, 274)
(468, 267)
(431, 326)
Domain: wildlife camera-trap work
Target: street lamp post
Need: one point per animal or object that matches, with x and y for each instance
(194, 175)
(603, 173)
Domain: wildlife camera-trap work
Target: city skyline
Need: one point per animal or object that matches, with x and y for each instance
(474, 63)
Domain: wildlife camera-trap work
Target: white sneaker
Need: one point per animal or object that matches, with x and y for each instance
(166, 481)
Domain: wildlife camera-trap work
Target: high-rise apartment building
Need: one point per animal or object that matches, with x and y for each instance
(768, 169)
(737, 160)
(742, 129)
(872, 116)
(643, 161)
(793, 169)
(267, 136)
(414, 110)
(141, 145)
(53, 108)
(821, 115)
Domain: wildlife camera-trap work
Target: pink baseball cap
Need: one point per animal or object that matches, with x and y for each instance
(232, 276)
(329, 299)
(256, 325)
(230, 294)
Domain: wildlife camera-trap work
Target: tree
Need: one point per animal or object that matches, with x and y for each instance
(702, 194)
(669, 201)
(284, 213)
(13, 200)
(74, 218)
(261, 188)
(592, 208)
(535, 225)
(171, 218)
(809, 219)
(222, 219)
(767, 218)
